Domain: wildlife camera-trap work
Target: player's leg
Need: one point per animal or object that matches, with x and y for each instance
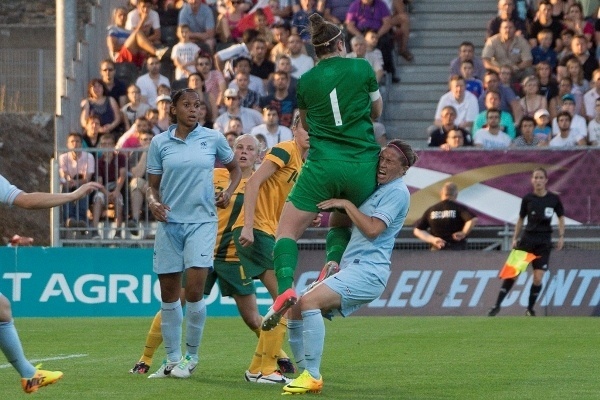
(540, 266)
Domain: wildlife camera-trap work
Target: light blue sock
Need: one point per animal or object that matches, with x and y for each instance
(295, 327)
(12, 349)
(172, 319)
(195, 316)
(314, 338)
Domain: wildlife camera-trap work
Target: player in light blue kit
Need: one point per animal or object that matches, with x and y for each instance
(365, 265)
(32, 378)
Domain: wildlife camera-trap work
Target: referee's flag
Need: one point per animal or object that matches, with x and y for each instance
(517, 262)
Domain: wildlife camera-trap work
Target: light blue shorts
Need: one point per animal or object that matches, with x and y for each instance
(357, 285)
(181, 246)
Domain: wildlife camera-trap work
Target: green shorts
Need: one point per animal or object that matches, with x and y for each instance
(328, 179)
(257, 258)
(231, 278)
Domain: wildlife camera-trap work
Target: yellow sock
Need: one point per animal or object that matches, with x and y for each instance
(273, 340)
(254, 367)
(153, 340)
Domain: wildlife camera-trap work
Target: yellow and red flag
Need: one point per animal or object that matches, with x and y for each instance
(517, 262)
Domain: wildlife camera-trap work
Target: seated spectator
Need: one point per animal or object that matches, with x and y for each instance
(225, 58)
(203, 112)
(242, 64)
(509, 102)
(196, 81)
(438, 134)
(364, 15)
(283, 64)
(531, 100)
(135, 108)
(334, 11)
(565, 86)
(281, 33)
(380, 135)
(454, 140)
(231, 136)
(98, 103)
(463, 102)
(575, 72)
(115, 88)
(152, 117)
(284, 103)
(248, 98)
(594, 126)
(548, 84)
(271, 129)
(138, 183)
(545, 22)
(184, 53)
(527, 137)
(91, 132)
(227, 22)
(506, 12)
(149, 82)
(359, 50)
(130, 44)
(576, 21)
(494, 52)
(507, 123)
(542, 125)
(566, 136)
(214, 82)
(543, 50)
(236, 126)
(446, 225)
(300, 20)
(148, 20)
(261, 24)
(577, 124)
(466, 52)
(75, 168)
(163, 90)
(300, 61)
(492, 137)
(281, 10)
(580, 51)
(589, 99)
(201, 21)
(566, 36)
(249, 117)
(163, 105)
(130, 139)
(472, 84)
(260, 65)
(111, 173)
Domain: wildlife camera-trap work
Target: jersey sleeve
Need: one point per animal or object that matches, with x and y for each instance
(154, 163)
(559, 209)
(280, 154)
(523, 211)
(391, 204)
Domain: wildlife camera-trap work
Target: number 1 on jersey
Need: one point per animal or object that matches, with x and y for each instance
(335, 107)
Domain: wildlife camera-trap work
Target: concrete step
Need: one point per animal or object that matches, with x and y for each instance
(459, 22)
(424, 73)
(407, 110)
(423, 93)
(488, 8)
(447, 40)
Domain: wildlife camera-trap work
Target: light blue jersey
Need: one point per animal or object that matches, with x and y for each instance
(187, 169)
(8, 192)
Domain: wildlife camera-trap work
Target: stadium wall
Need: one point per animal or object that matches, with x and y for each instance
(76, 282)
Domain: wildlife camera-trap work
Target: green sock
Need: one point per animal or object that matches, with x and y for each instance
(285, 259)
(336, 243)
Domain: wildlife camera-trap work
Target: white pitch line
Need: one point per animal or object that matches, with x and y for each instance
(34, 361)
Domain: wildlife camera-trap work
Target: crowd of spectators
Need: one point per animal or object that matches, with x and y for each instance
(535, 83)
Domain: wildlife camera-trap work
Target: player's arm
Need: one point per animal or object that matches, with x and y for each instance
(467, 228)
(427, 237)
(561, 232)
(38, 200)
(158, 209)
(518, 228)
(376, 105)
(371, 227)
(235, 176)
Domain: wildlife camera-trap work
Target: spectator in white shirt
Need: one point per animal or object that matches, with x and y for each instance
(566, 137)
(271, 130)
(492, 137)
(578, 124)
(149, 82)
(464, 102)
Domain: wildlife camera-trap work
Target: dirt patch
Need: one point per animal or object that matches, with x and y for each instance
(27, 145)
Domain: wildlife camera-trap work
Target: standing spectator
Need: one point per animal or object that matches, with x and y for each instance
(364, 15)
(492, 137)
(248, 98)
(184, 53)
(446, 225)
(135, 108)
(566, 136)
(527, 137)
(300, 61)
(506, 12)
(578, 124)
(149, 82)
(545, 22)
(111, 174)
(115, 88)
(182, 198)
(272, 131)
(284, 103)
(507, 123)
(32, 378)
(531, 101)
(249, 117)
(75, 168)
(439, 134)
(589, 99)
(98, 103)
(465, 103)
(201, 20)
(466, 52)
(506, 48)
(145, 16)
(539, 207)
(594, 126)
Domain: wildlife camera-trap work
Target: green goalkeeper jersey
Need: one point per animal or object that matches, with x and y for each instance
(336, 95)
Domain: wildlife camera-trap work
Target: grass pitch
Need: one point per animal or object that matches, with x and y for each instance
(365, 358)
